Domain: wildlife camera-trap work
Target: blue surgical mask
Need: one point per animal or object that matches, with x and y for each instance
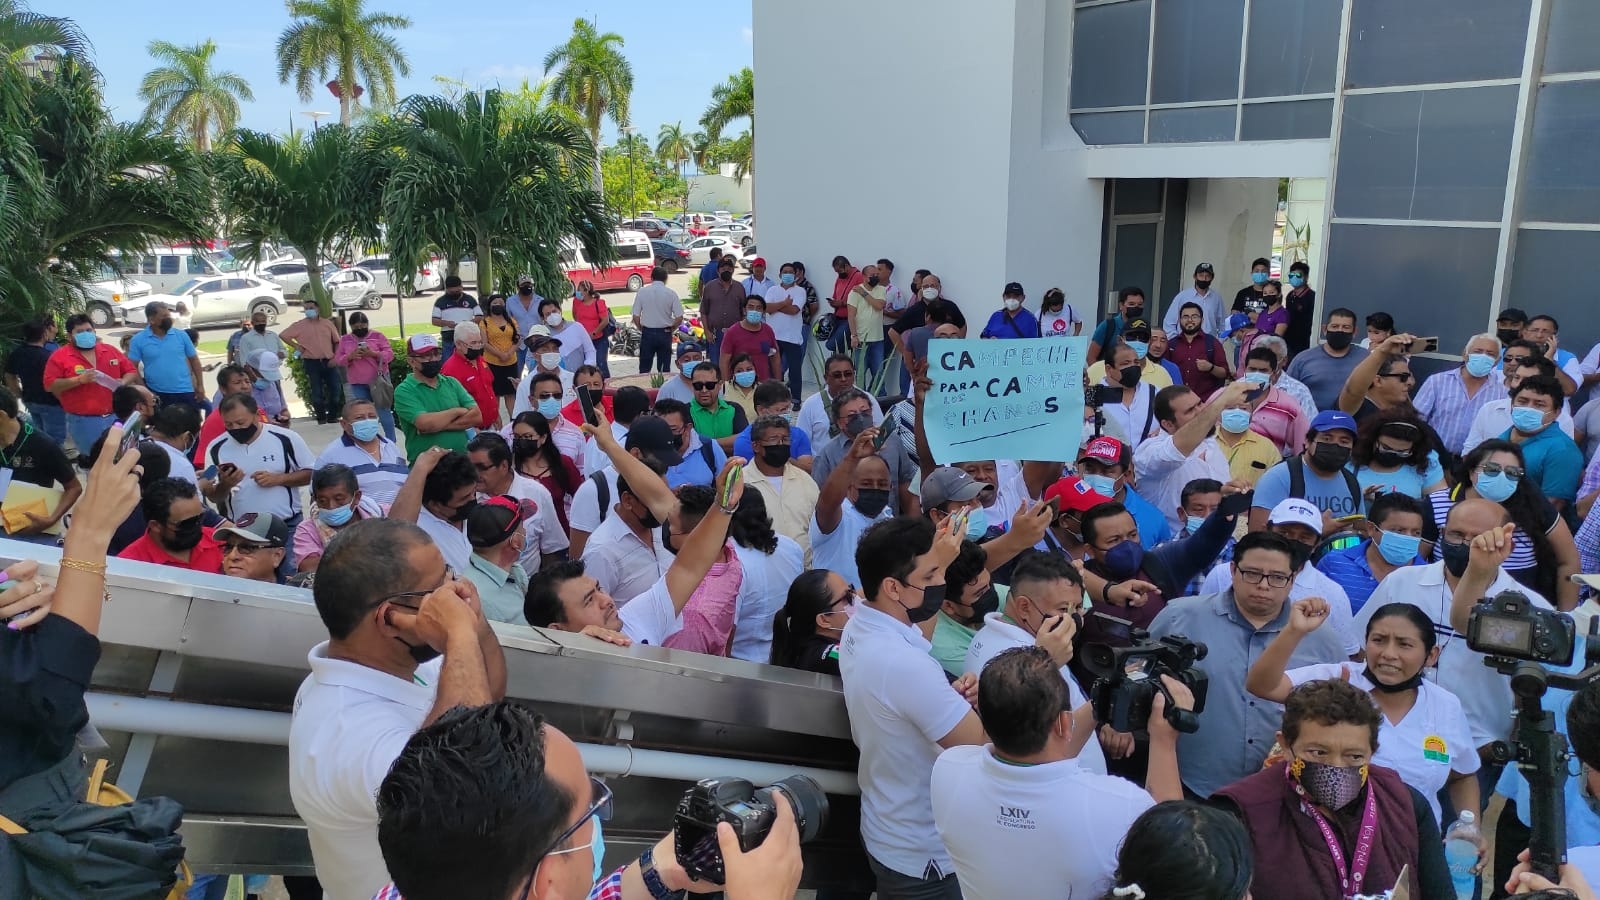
(977, 523)
(1297, 281)
(262, 384)
(1258, 277)
(312, 313)
(550, 407)
(337, 516)
(1124, 560)
(1480, 364)
(1496, 488)
(1526, 419)
(1257, 378)
(365, 429)
(744, 379)
(786, 279)
(598, 847)
(1195, 522)
(84, 340)
(1140, 348)
(1398, 549)
(754, 316)
(1235, 421)
(1101, 484)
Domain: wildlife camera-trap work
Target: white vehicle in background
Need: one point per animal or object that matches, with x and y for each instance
(700, 248)
(738, 231)
(292, 274)
(167, 268)
(106, 294)
(428, 278)
(216, 300)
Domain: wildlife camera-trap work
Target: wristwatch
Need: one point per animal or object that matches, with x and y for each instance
(652, 878)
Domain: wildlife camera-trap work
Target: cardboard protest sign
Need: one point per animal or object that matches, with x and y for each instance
(1020, 399)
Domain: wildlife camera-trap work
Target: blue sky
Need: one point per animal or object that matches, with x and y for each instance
(678, 52)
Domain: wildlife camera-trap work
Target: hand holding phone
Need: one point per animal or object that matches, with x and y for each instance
(1423, 345)
(587, 401)
(729, 485)
(1236, 504)
(887, 428)
(132, 433)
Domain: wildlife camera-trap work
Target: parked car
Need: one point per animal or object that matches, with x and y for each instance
(670, 256)
(739, 231)
(352, 288)
(217, 300)
(467, 269)
(635, 259)
(749, 254)
(292, 275)
(166, 268)
(106, 294)
(700, 248)
(428, 277)
(652, 228)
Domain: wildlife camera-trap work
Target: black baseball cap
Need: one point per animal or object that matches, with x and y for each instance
(1013, 289)
(1206, 268)
(1512, 314)
(652, 436)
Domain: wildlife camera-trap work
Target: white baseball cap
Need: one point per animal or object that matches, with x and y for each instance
(1295, 511)
(268, 364)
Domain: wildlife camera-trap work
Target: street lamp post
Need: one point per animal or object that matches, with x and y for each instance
(633, 195)
(316, 116)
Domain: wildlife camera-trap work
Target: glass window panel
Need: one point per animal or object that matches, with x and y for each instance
(1110, 128)
(1196, 50)
(1543, 274)
(1379, 267)
(1425, 154)
(1562, 182)
(1110, 53)
(1195, 125)
(1294, 46)
(1286, 121)
(1137, 196)
(1134, 261)
(1572, 43)
(1425, 41)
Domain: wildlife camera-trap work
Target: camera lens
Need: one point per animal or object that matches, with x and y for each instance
(809, 802)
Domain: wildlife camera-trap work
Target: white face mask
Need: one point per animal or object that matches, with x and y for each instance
(930, 293)
(550, 360)
(553, 320)
(1012, 304)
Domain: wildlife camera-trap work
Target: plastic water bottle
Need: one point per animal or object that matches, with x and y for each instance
(1461, 854)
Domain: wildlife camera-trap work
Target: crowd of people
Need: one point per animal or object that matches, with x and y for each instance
(1299, 505)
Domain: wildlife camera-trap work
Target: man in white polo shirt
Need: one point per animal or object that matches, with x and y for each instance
(1025, 798)
(1185, 449)
(391, 608)
(902, 709)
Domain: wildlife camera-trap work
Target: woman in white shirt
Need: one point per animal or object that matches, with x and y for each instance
(1057, 318)
(1423, 733)
(576, 347)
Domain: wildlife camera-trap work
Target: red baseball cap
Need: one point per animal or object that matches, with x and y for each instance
(1074, 495)
(758, 261)
(1105, 449)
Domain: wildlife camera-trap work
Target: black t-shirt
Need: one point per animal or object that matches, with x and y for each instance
(36, 459)
(1248, 292)
(27, 363)
(1302, 319)
(916, 316)
(446, 303)
(817, 655)
(44, 672)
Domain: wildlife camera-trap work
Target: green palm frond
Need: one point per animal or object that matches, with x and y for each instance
(341, 40)
(188, 96)
(732, 100)
(22, 30)
(591, 75)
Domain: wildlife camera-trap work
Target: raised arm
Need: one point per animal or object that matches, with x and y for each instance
(642, 482)
(1360, 380)
(408, 500)
(832, 497)
(703, 547)
(113, 493)
(1266, 679)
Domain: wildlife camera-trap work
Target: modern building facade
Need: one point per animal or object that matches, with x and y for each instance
(1441, 153)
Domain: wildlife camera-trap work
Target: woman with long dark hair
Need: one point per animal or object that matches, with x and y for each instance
(535, 456)
(806, 631)
(1394, 453)
(1543, 553)
(771, 563)
(1179, 850)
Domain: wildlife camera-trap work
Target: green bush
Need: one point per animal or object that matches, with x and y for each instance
(399, 368)
(694, 287)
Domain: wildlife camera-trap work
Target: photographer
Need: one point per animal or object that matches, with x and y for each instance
(1067, 820)
(492, 803)
(1333, 823)
(1236, 626)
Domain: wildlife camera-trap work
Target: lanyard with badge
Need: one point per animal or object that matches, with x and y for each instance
(1352, 874)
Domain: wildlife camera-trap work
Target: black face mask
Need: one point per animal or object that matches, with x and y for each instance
(1128, 376)
(1507, 335)
(856, 424)
(420, 653)
(431, 369)
(460, 513)
(1455, 557)
(932, 599)
(243, 435)
(1340, 340)
(522, 448)
(186, 534)
(1329, 457)
(1133, 312)
(166, 324)
(725, 274)
(1202, 286)
(648, 520)
(775, 455)
(472, 352)
(497, 310)
(261, 327)
(872, 281)
(360, 332)
(871, 503)
(987, 602)
(1410, 684)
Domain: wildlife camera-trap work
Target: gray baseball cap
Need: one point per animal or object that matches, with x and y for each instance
(948, 483)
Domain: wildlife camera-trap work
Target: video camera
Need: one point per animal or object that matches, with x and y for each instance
(1099, 395)
(1517, 640)
(1126, 679)
(749, 810)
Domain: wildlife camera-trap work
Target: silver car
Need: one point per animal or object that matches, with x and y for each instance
(428, 278)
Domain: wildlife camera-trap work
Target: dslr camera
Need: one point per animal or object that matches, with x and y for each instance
(1126, 679)
(1099, 395)
(748, 809)
(1507, 625)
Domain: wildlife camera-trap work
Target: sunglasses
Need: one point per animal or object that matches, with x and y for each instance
(1515, 473)
(242, 548)
(704, 385)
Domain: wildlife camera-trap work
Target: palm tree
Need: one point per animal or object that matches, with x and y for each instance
(189, 96)
(595, 79)
(674, 146)
(733, 99)
(22, 30)
(341, 37)
(471, 175)
(320, 192)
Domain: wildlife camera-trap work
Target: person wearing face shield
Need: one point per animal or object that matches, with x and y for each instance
(903, 710)
(433, 409)
(407, 642)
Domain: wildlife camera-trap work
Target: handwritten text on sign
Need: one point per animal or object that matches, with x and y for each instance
(990, 399)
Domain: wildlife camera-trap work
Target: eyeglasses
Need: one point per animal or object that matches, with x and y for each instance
(1406, 377)
(243, 548)
(1515, 473)
(190, 522)
(704, 385)
(848, 598)
(485, 467)
(599, 808)
(842, 375)
(1273, 579)
(1517, 360)
(449, 576)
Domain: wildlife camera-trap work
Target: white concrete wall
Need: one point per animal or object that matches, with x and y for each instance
(1229, 223)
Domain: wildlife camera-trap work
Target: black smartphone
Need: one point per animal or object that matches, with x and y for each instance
(1235, 504)
(887, 428)
(1424, 345)
(132, 433)
(587, 401)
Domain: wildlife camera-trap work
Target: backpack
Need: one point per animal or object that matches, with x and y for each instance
(1297, 482)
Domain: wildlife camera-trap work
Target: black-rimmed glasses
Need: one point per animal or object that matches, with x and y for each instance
(599, 808)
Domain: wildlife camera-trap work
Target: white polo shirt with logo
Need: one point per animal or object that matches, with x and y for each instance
(1000, 634)
(350, 724)
(900, 706)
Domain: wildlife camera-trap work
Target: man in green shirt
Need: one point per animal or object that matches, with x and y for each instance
(970, 595)
(433, 410)
(714, 417)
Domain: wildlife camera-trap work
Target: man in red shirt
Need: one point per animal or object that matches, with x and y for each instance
(1200, 357)
(848, 277)
(82, 375)
(753, 336)
(173, 533)
(468, 367)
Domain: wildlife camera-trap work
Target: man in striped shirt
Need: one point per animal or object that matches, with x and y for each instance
(1451, 399)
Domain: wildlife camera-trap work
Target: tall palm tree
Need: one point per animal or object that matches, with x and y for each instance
(674, 146)
(187, 95)
(732, 100)
(473, 176)
(594, 78)
(341, 37)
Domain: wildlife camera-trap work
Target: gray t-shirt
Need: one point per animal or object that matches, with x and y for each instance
(1325, 375)
(916, 340)
(1587, 420)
